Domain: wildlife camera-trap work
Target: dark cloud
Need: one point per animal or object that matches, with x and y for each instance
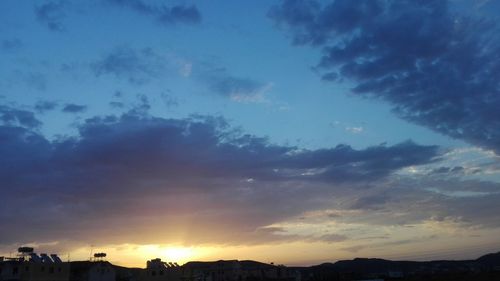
(74, 108)
(343, 162)
(136, 66)
(11, 116)
(436, 67)
(44, 106)
(197, 173)
(51, 14)
(162, 14)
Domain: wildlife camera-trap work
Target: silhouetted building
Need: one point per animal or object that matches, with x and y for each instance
(28, 266)
(158, 270)
(234, 270)
(92, 271)
(34, 268)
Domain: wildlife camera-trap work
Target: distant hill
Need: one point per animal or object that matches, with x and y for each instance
(490, 259)
(380, 267)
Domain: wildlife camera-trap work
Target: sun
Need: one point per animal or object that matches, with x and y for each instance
(178, 254)
(169, 253)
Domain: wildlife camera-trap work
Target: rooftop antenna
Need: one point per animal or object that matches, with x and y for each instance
(91, 250)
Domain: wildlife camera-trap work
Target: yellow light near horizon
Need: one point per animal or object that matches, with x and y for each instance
(178, 254)
(168, 253)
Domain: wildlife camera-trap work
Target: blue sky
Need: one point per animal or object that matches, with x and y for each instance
(359, 115)
(244, 43)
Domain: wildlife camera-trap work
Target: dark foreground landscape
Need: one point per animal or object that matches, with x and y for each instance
(27, 267)
(486, 267)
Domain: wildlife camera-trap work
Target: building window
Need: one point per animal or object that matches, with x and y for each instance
(42, 269)
(51, 269)
(161, 272)
(27, 268)
(15, 270)
(59, 269)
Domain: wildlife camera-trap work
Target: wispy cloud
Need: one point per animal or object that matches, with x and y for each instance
(51, 14)
(162, 14)
(136, 66)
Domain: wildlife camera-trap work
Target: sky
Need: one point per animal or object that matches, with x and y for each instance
(293, 132)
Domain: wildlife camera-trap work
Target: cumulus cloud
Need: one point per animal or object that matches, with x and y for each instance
(168, 176)
(14, 116)
(162, 14)
(436, 67)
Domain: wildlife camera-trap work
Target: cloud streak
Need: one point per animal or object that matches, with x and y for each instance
(162, 14)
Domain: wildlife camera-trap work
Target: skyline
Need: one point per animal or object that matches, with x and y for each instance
(294, 132)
